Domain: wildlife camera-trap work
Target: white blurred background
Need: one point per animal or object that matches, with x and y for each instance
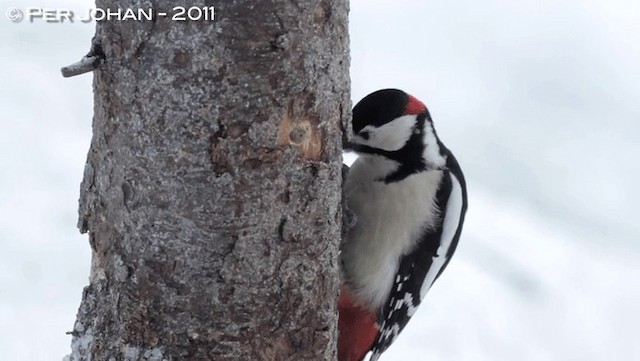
(539, 100)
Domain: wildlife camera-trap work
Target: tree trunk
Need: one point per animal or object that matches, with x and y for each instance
(211, 193)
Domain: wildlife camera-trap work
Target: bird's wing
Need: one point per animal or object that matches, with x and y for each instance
(420, 268)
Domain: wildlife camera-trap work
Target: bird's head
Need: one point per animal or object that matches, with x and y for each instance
(392, 124)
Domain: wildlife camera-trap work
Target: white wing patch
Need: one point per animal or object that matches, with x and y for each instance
(391, 326)
(450, 225)
(411, 304)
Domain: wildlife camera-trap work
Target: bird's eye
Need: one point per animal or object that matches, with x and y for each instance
(364, 134)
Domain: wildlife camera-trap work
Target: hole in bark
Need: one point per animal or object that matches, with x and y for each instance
(297, 135)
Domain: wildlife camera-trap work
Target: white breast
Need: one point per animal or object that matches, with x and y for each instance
(389, 218)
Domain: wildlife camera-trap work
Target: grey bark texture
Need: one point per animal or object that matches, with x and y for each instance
(211, 193)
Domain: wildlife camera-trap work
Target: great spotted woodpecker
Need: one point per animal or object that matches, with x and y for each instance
(409, 199)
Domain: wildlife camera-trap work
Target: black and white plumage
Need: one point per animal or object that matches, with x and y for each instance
(409, 198)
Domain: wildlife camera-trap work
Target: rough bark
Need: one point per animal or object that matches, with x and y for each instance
(211, 193)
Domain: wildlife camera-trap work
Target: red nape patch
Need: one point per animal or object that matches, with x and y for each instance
(357, 329)
(414, 106)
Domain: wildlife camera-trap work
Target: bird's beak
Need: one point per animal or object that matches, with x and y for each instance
(351, 147)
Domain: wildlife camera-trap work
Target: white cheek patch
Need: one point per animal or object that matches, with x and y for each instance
(391, 136)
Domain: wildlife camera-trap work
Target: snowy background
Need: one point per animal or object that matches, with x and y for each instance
(538, 99)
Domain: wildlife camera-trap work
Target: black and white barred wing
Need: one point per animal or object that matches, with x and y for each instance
(419, 269)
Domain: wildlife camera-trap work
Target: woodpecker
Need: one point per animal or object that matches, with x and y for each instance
(409, 198)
